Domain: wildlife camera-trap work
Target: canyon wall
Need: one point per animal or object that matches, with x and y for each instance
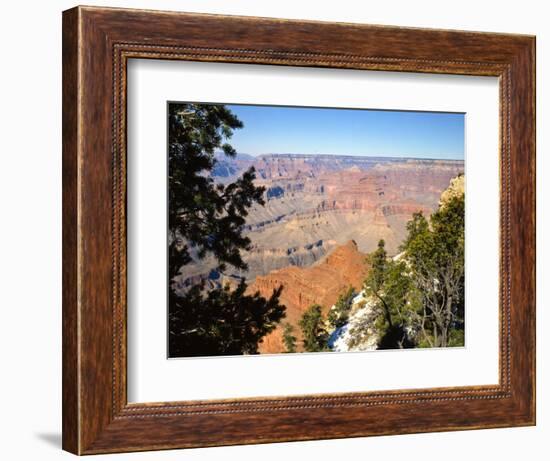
(315, 203)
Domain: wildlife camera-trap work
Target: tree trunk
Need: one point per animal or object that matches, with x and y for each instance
(446, 321)
(436, 336)
(444, 332)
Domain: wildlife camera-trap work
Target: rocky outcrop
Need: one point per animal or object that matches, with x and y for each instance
(320, 284)
(456, 189)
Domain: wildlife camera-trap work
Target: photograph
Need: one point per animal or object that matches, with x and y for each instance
(313, 229)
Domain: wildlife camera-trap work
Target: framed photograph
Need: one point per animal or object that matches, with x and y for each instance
(280, 230)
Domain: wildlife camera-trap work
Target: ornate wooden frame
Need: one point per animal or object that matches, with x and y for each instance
(97, 43)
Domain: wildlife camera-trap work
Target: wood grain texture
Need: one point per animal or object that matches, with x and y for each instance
(70, 383)
(97, 42)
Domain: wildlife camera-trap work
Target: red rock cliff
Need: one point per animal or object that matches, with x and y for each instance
(319, 284)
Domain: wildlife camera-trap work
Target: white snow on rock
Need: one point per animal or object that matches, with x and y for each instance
(357, 334)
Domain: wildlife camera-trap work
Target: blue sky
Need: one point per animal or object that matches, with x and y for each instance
(306, 130)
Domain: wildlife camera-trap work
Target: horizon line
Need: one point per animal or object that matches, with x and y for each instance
(390, 157)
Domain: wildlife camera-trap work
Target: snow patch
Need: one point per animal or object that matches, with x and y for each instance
(356, 335)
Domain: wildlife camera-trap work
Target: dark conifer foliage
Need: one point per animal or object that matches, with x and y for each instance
(205, 218)
(201, 213)
(289, 340)
(338, 316)
(313, 330)
(221, 321)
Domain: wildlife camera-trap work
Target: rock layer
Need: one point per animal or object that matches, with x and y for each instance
(316, 202)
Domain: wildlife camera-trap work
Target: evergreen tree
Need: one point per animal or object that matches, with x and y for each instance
(374, 284)
(338, 316)
(313, 331)
(289, 339)
(435, 252)
(205, 218)
(388, 283)
(202, 214)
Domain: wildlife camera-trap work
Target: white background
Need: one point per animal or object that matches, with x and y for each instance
(30, 244)
(153, 378)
